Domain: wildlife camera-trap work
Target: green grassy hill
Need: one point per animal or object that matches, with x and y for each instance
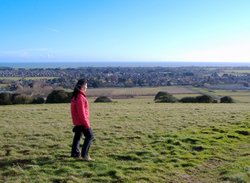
(136, 140)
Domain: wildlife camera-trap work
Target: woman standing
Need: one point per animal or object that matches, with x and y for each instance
(80, 119)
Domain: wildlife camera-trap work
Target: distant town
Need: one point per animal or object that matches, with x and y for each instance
(233, 78)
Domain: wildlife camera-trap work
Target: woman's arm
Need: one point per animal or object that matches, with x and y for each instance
(81, 110)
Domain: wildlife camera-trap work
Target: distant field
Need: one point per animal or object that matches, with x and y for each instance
(145, 91)
(237, 71)
(241, 96)
(136, 140)
(3, 85)
(179, 92)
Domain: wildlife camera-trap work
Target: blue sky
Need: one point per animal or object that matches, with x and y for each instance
(125, 30)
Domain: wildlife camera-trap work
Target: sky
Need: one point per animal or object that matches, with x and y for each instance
(125, 30)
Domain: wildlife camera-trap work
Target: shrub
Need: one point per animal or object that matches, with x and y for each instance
(58, 96)
(188, 100)
(226, 99)
(5, 98)
(215, 101)
(38, 100)
(164, 97)
(103, 99)
(16, 98)
(204, 99)
(22, 99)
(198, 99)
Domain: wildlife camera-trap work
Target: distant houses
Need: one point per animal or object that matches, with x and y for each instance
(128, 77)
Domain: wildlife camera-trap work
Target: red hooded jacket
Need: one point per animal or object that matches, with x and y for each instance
(80, 110)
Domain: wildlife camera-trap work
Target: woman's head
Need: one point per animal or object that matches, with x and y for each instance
(81, 85)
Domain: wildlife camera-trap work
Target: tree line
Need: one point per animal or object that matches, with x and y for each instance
(61, 96)
(165, 97)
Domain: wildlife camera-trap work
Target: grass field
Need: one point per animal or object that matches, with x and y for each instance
(239, 96)
(137, 91)
(237, 71)
(136, 140)
(3, 85)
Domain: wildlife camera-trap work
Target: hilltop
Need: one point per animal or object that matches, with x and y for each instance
(136, 140)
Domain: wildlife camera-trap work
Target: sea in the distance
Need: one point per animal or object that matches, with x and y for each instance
(119, 64)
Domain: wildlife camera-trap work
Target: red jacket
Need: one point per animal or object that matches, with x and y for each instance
(80, 110)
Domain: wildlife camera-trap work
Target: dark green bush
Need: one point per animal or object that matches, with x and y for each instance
(5, 98)
(103, 99)
(215, 101)
(204, 99)
(16, 98)
(226, 99)
(58, 96)
(38, 100)
(22, 99)
(198, 99)
(188, 100)
(165, 97)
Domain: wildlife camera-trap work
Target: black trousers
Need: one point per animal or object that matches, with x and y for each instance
(89, 136)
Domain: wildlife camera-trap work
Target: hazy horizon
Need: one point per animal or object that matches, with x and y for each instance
(119, 64)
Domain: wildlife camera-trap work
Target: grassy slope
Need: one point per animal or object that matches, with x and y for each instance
(136, 141)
